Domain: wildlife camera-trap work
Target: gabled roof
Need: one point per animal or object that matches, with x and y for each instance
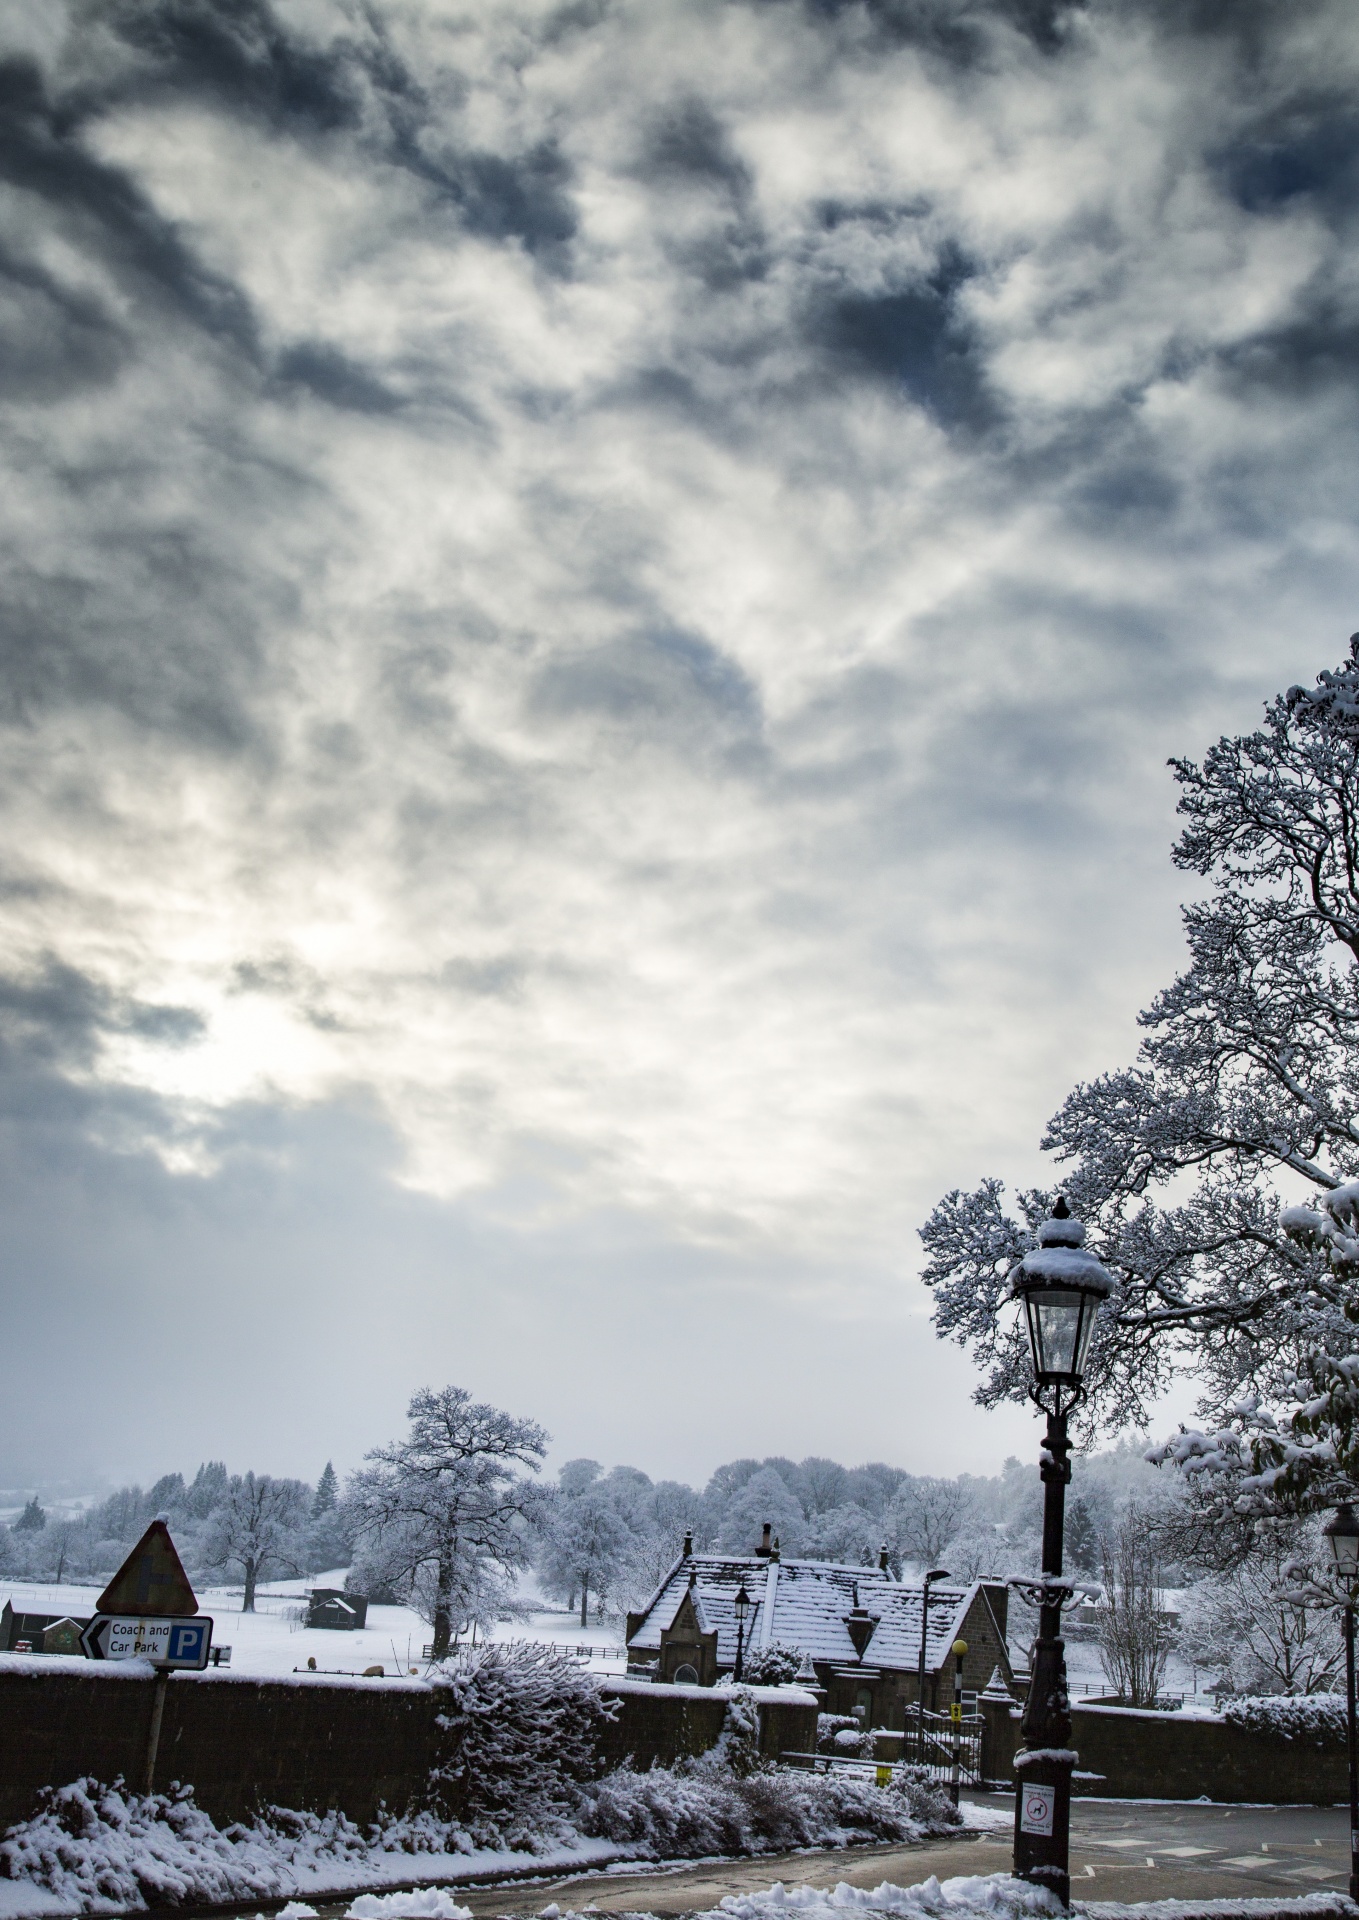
(803, 1603)
(695, 1599)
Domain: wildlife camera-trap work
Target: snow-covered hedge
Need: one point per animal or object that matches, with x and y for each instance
(106, 1848)
(521, 1725)
(1318, 1719)
(691, 1814)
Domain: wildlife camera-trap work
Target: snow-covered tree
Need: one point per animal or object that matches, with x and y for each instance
(826, 1484)
(446, 1509)
(1188, 1166)
(587, 1546)
(206, 1489)
(765, 1496)
(1258, 1628)
(33, 1518)
(259, 1526)
(327, 1491)
(925, 1515)
(844, 1533)
(1133, 1631)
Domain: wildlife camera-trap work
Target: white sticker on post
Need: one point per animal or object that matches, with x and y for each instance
(1036, 1808)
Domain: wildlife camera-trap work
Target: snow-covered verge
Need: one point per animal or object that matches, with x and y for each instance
(991, 1896)
(98, 1849)
(994, 1894)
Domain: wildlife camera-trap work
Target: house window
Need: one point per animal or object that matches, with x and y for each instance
(686, 1676)
(863, 1706)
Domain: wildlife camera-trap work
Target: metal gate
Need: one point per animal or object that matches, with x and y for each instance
(943, 1743)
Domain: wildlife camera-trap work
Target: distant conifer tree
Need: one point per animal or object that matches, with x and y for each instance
(327, 1492)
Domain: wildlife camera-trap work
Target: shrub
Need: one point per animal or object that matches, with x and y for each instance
(1318, 1719)
(776, 1665)
(828, 1725)
(521, 1726)
(694, 1814)
(926, 1799)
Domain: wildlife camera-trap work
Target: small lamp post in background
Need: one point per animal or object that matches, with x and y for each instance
(741, 1608)
(1061, 1287)
(1342, 1536)
(956, 1713)
(935, 1573)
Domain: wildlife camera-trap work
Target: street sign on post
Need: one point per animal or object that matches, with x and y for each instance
(168, 1643)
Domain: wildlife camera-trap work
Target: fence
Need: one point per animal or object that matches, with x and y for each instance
(578, 1653)
(941, 1743)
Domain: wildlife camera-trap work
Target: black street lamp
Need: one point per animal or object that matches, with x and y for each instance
(741, 1608)
(1342, 1536)
(935, 1573)
(1061, 1287)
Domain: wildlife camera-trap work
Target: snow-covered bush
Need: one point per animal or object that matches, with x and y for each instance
(828, 1728)
(927, 1800)
(773, 1666)
(692, 1814)
(1316, 1719)
(737, 1750)
(103, 1847)
(521, 1725)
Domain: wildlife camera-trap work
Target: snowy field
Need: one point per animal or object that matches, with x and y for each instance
(272, 1640)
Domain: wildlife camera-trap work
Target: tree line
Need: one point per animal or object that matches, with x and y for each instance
(454, 1519)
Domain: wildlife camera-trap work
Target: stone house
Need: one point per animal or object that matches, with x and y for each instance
(859, 1628)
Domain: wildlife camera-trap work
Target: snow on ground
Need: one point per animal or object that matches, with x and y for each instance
(272, 1640)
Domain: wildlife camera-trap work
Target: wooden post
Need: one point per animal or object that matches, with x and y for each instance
(159, 1684)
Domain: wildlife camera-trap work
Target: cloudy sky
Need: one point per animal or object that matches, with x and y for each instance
(596, 593)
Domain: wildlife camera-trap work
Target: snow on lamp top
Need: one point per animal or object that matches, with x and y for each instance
(1061, 1286)
(1060, 1258)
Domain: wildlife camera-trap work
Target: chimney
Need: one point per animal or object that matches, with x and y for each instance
(883, 1558)
(689, 1544)
(763, 1550)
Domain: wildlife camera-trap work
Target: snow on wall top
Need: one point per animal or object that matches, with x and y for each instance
(803, 1603)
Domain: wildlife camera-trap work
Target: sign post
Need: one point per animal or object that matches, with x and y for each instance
(148, 1611)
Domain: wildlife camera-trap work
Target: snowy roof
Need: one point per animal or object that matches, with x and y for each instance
(803, 1603)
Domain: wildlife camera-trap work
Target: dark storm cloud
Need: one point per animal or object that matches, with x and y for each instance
(964, 34)
(918, 338)
(332, 376)
(41, 155)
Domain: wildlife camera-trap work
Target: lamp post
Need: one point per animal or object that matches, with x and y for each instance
(1342, 1536)
(956, 1712)
(741, 1608)
(1061, 1287)
(935, 1573)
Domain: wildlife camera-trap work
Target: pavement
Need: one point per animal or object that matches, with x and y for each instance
(1120, 1850)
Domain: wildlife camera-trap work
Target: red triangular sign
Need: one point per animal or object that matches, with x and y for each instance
(151, 1580)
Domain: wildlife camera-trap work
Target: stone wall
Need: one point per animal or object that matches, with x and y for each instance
(1130, 1754)
(308, 1741)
